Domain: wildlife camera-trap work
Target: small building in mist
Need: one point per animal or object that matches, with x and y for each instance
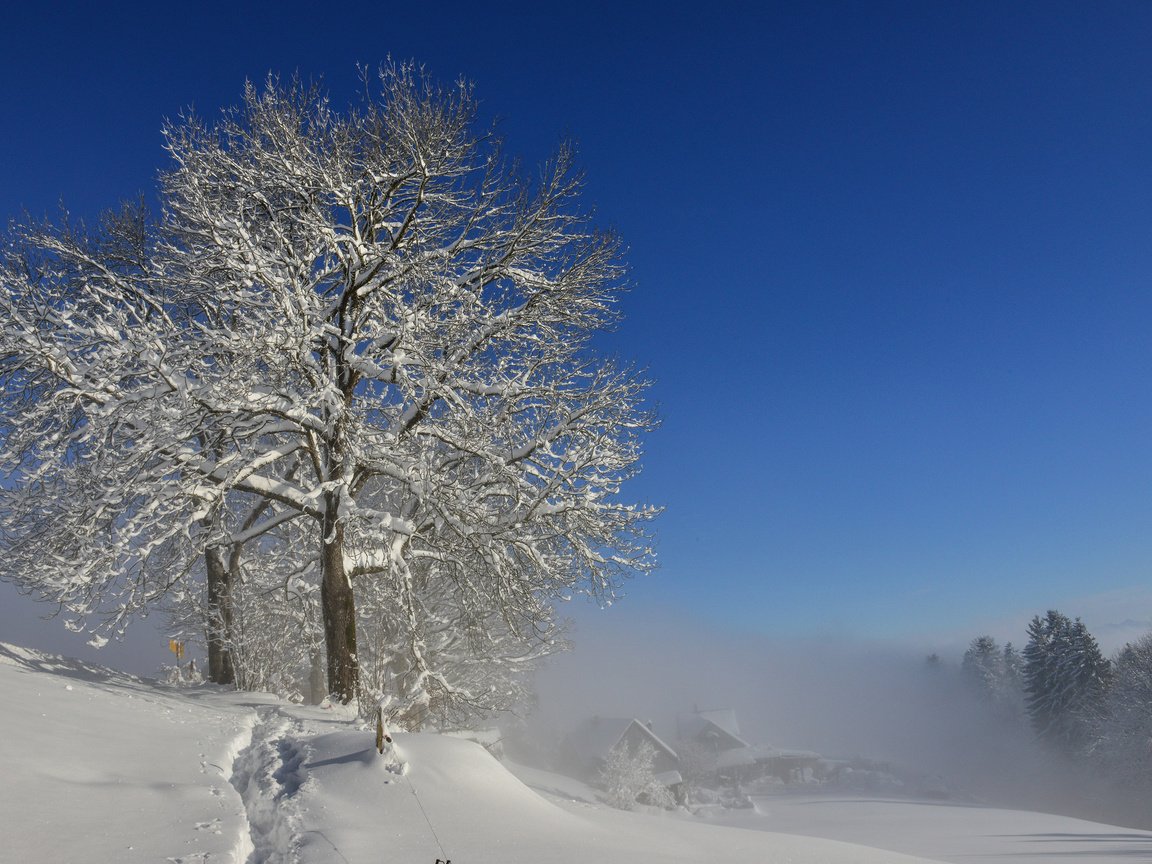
(586, 749)
(745, 764)
(715, 730)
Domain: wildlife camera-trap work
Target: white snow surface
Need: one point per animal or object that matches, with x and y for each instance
(947, 831)
(98, 766)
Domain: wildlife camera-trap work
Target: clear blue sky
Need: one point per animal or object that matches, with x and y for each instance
(892, 264)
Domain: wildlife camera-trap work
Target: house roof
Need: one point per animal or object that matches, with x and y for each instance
(718, 723)
(668, 778)
(762, 753)
(595, 738)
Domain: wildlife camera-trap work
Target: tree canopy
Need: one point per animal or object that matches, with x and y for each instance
(359, 338)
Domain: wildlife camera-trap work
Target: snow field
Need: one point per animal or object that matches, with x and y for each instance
(101, 767)
(477, 812)
(949, 831)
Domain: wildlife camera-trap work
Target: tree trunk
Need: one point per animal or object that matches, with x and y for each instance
(339, 609)
(221, 669)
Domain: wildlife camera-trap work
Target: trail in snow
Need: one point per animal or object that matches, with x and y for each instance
(242, 851)
(268, 774)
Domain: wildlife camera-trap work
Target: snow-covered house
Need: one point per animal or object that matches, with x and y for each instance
(588, 747)
(718, 732)
(752, 762)
(715, 730)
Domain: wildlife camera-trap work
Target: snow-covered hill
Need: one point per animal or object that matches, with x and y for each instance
(102, 767)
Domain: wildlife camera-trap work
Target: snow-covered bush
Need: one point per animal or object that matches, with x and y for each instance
(628, 778)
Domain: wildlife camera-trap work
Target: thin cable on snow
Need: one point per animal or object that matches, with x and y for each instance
(420, 804)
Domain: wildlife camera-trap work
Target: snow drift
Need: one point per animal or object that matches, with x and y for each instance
(103, 767)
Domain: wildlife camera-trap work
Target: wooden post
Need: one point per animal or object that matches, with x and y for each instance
(382, 737)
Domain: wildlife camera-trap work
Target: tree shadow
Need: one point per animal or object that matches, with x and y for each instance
(847, 799)
(364, 757)
(1085, 845)
(52, 664)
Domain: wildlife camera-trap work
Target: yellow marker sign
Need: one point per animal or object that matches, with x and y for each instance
(176, 648)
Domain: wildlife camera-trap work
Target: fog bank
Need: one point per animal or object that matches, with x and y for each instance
(843, 698)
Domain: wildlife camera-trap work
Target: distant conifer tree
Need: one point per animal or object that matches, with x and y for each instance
(1066, 679)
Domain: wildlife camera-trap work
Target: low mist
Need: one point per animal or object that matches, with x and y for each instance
(845, 699)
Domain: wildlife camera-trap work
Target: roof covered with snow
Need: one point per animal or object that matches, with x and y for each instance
(755, 753)
(716, 726)
(596, 737)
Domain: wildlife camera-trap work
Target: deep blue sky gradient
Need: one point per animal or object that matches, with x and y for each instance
(891, 261)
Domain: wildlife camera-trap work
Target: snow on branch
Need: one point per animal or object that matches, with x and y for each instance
(358, 339)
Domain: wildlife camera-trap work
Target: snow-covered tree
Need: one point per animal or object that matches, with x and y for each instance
(90, 517)
(104, 513)
(396, 353)
(482, 663)
(1123, 735)
(1013, 666)
(628, 778)
(1066, 679)
(273, 637)
(994, 674)
(981, 666)
(425, 314)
